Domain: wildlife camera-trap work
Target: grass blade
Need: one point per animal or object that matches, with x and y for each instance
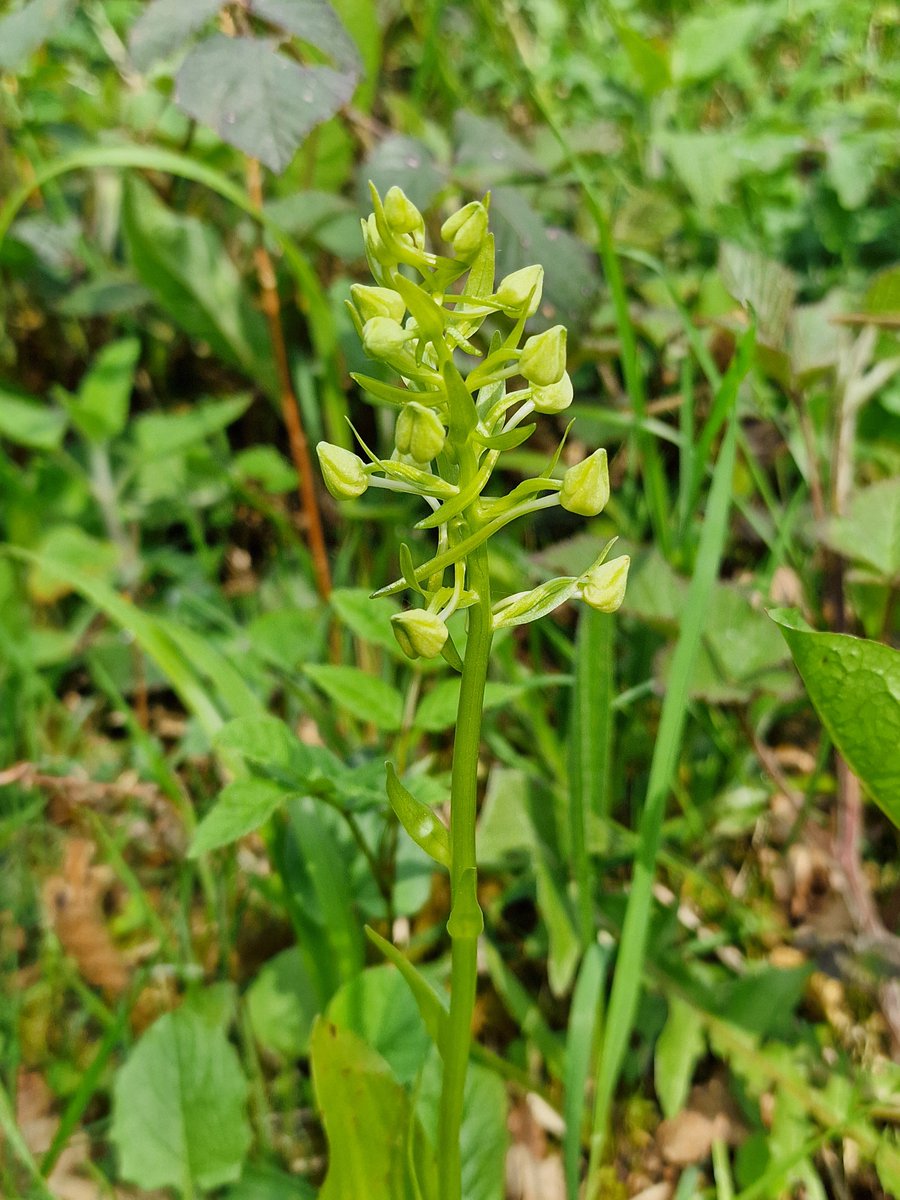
(627, 979)
(584, 1021)
(589, 745)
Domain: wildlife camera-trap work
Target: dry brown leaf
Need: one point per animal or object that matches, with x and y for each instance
(687, 1138)
(532, 1172)
(74, 906)
(529, 1178)
(658, 1191)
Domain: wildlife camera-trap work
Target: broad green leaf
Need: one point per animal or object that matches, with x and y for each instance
(564, 949)
(362, 19)
(264, 465)
(108, 294)
(523, 238)
(679, 1048)
(22, 32)
(178, 1107)
(216, 1004)
(256, 98)
(100, 410)
(883, 294)
(487, 155)
(763, 285)
(887, 1164)
(364, 696)
(504, 822)
(183, 263)
(709, 163)
(31, 423)
(763, 1001)
(316, 22)
(162, 435)
(649, 59)
(706, 42)
(379, 1008)
(655, 593)
(403, 161)
(242, 806)
(263, 740)
(164, 25)
(854, 685)
(283, 1001)
(483, 1137)
(268, 1183)
(375, 1140)
(287, 637)
(740, 655)
(853, 165)
(67, 549)
(368, 619)
(438, 710)
(870, 531)
(269, 746)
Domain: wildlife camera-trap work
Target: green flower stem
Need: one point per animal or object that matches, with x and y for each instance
(463, 795)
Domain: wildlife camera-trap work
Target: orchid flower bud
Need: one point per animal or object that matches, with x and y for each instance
(343, 471)
(376, 250)
(420, 634)
(400, 212)
(466, 229)
(585, 487)
(543, 358)
(555, 398)
(603, 587)
(419, 432)
(384, 338)
(377, 302)
(520, 289)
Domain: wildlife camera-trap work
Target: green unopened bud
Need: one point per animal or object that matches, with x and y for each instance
(585, 487)
(377, 302)
(376, 250)
(343, 471)
(603, 587)
(466, 229)
(555, 398)
(400, 212)
(384, 338)
(543, 358)
(420, 634)
(520, 289)
(419, 432)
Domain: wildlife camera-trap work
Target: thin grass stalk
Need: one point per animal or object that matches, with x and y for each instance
(589, 755)
(627, 978)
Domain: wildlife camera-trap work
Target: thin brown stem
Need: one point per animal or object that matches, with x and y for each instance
(290, 408)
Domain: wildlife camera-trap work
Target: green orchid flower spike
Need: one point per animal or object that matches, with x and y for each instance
(453, 425)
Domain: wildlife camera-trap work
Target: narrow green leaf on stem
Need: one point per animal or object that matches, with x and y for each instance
(428, 1002)
(423, 826)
